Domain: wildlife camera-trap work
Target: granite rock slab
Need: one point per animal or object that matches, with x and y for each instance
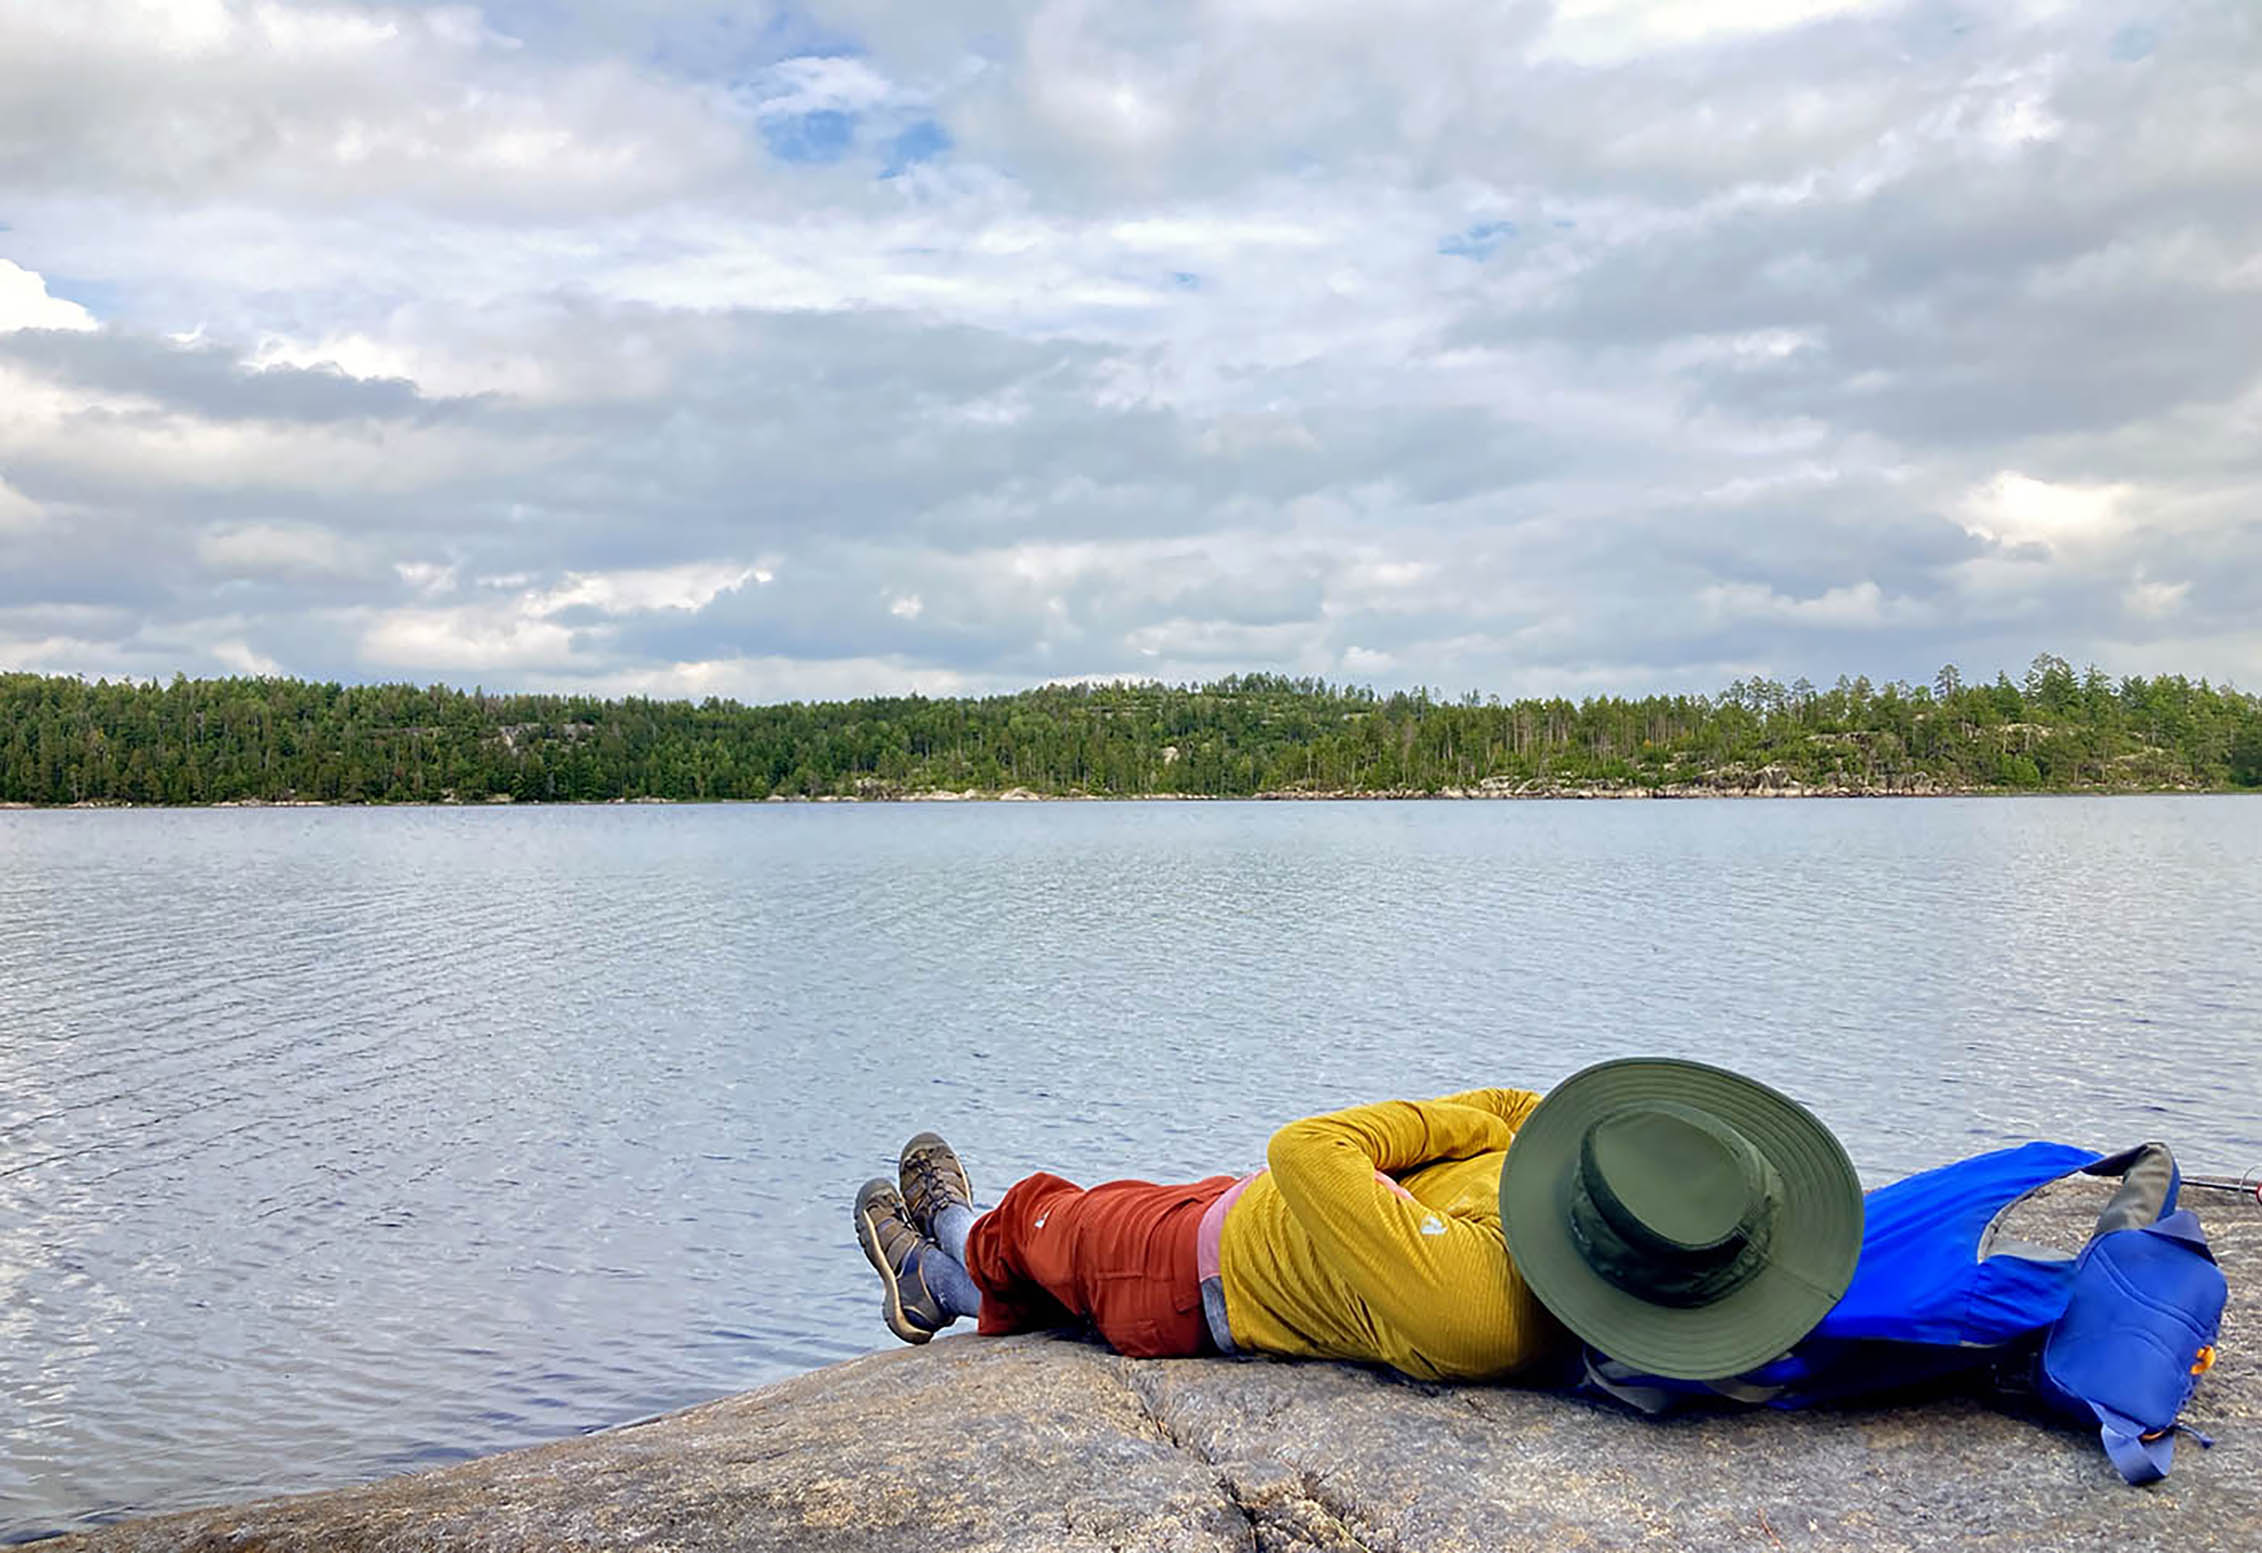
(1053, 1443)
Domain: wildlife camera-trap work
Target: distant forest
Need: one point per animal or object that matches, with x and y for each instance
(65, 740)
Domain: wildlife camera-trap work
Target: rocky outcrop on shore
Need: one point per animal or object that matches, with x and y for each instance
(1725, 782)
(1037, 1443)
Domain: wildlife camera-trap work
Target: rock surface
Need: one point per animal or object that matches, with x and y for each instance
(1047, 1443)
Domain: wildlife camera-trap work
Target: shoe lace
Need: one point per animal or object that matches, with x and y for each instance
(930, 1184)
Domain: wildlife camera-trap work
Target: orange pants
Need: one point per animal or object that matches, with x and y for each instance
(1120, 1256)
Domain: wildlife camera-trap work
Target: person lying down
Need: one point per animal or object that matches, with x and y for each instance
(1679, 1218)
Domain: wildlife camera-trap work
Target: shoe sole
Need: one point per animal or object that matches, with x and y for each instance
(868, 1237)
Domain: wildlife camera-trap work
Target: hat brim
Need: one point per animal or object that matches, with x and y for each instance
(1813, 1249)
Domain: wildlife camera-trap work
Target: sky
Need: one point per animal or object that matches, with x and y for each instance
(1530, 347)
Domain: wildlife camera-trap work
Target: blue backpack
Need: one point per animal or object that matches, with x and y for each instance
(2116, 1337)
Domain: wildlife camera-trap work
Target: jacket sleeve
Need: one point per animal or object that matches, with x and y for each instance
(1512, 1106)
(1423, 1272)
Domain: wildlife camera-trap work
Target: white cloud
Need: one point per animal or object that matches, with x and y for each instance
(1217, 238)
(18, 511)
(355, 354)
(25, 304)
(520, 631)
(327, 101)
(180, 28)
(1300, 644)
(820, 83)
(430, 578)
(689, 587)
(243, 659)
(464, 638)
(142, 447)
(2017, 509)
(1609, 32)
(57, 655)
(279, 550)
(777, 678)
(1390, 574)
(2155, 600)
(1855, 606)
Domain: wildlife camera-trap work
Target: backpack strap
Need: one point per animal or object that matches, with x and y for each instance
(1656, 1396)
(2139, 1456)
(1623, 1383)
(2149, 1184)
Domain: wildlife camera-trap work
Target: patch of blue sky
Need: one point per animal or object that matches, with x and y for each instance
(918, 142)
(2134, 42)
(1185, 280)
(1479, 242)
(790, 32)
(98, 297)
(823, 135)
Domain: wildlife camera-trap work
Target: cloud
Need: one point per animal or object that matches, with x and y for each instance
(571, 624)
(1582, 345)
(1610, 32)
(243, 659)
(815, 83)
(2014, 509)
(17, 511)
(318, 105)
(766, 679)
(690, 588)
(25, 304)
(465, 639)
(2156, 600)
(1860, 606)
(279, 551)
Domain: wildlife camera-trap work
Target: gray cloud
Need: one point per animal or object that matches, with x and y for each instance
(211, 380)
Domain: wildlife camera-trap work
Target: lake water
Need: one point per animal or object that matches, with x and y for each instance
(335, 1143)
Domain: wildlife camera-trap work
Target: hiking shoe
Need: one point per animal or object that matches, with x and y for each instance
(893, 1247)
(932, 1180)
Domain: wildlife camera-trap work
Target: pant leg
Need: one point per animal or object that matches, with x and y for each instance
(1015, 1298)
(1121, 1255)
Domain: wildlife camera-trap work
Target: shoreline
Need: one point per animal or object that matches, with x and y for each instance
(1529, 792)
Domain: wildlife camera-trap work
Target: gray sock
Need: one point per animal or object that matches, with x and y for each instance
(952, 1226)
(950, 1284)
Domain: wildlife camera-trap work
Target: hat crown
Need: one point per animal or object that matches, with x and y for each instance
(1669, 1179)
(1671, 1204)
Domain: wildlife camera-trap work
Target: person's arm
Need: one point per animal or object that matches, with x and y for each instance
(1512, 1106)
(1418, 1270)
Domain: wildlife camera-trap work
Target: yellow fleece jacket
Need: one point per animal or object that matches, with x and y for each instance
(1375, 1236)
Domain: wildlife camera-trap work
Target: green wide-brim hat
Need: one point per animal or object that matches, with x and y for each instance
(1683, 1219)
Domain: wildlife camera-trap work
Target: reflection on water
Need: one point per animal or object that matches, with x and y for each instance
(335, 1143)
